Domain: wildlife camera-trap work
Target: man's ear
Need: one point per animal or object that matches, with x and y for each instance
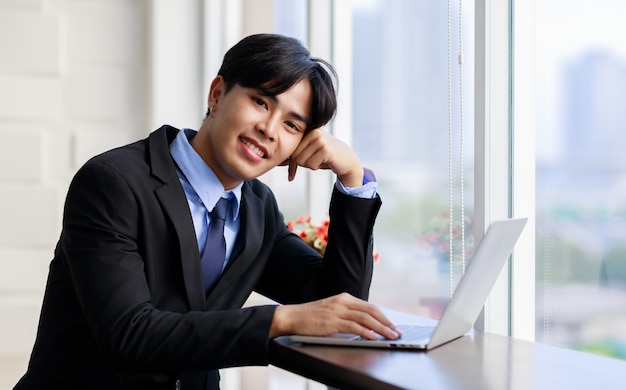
(218, 88)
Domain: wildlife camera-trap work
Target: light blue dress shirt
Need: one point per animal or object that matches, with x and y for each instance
(203, 189)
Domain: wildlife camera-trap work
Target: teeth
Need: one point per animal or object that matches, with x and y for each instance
(254, 148)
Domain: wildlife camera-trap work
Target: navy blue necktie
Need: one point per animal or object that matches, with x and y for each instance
(215, 248)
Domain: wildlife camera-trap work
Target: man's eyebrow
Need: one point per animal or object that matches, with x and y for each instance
(302, 118)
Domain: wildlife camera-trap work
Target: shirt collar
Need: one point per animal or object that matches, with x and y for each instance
(200, 176)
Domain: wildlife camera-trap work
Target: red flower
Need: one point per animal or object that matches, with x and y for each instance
(316, 236)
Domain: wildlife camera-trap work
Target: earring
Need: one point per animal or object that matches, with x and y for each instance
(208, 112)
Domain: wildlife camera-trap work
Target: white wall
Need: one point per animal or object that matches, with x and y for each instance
(78, 77)
(72, 84)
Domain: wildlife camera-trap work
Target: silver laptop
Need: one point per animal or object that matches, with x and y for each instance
(462, 309)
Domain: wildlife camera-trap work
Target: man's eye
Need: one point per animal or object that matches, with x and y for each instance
(260, 102)
(292, 125)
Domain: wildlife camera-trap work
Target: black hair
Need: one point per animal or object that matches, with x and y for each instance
(274, 63)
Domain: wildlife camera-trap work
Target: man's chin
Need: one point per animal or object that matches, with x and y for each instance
(251, 174)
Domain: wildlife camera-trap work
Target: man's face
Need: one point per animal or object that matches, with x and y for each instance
(247, 134)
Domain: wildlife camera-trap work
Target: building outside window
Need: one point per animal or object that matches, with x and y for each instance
(581, 176)
(401, 125)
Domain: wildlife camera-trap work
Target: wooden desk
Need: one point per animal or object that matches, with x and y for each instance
(476, 361)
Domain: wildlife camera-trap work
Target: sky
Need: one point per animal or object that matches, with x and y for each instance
(565, 30)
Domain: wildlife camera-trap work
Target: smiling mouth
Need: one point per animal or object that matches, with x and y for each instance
(252, 147)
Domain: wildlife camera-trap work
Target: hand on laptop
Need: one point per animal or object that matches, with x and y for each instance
(339, 313)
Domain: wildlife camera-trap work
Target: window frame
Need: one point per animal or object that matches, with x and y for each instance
(492, 144)
(505, 150)
(523, 175)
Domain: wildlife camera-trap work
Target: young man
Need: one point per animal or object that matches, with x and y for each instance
(132, 303)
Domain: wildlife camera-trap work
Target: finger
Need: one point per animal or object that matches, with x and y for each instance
(304, 155)
(389, 333)
(384, 327)
(370, 329)
(369, 318)
(313, 156)
(291, 172)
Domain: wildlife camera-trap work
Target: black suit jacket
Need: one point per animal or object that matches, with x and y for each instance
(125, 306)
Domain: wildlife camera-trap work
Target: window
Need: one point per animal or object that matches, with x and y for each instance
(581, 175)
(399, 79)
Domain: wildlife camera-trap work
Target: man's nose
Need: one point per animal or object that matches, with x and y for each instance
(268, 128)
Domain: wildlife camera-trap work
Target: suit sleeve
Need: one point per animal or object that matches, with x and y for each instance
(296, 273)
(348, 262)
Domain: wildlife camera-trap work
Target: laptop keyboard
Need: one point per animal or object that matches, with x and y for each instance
(415, 332)
(411, 333)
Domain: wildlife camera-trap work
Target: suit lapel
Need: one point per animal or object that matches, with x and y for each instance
(169, 196)
(172, 198)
